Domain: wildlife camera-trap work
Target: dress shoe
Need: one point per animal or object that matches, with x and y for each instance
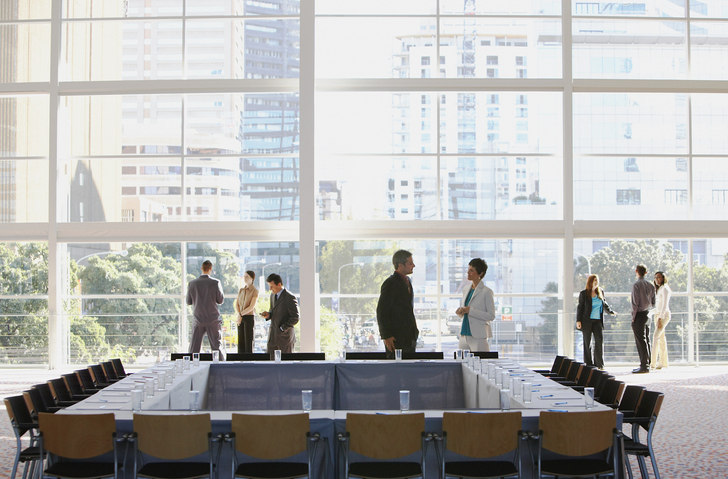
(640, 370)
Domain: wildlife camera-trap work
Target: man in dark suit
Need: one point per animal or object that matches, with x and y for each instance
(204, 294)
(395, 310)
(283, 316)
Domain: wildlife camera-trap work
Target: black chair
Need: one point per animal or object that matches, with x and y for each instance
(645, 417)
(554, 367)
(110, 371)
(74, 385)
(22, 422)
(247, 357)
(584, 376)
(366, 355)
(630, 399)
(87, 382)
(61, 392)
(303, 356)
(422, 355)
(203, 356)
(35, 403)
(99, 376)
(47, 396)
(119, 367)
(571, 375)
(611, 393)
(480, 354)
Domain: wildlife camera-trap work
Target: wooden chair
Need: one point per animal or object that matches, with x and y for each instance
(272, 441)
(70, 441)
(482, 436)
(167, 442)
(22, 422)
(382, 438)
(645, 417)
(574, 439)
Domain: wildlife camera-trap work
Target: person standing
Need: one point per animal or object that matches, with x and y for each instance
(245, 307)
(283, 316)
(395, 308)
(643, 298)
(661, 315)
(477, 310)
(590, 320)
(204, 294)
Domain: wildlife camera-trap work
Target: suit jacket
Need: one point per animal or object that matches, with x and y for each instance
(584, 309)
(284, 315)
(482, 311)
(395, 311)
(204, 294)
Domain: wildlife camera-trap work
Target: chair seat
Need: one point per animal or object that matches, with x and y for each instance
(29, 454)
(81, 470)
(272, 470)
(576, 468)
(385, 470)
(175, 470)
(631, 447)
(480, 469)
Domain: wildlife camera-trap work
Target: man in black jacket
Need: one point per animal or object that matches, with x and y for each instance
(395, 310)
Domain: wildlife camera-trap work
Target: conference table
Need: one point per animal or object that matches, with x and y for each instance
(268, 387)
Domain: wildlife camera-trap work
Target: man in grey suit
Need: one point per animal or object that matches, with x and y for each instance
(205, 294)
(283, 316)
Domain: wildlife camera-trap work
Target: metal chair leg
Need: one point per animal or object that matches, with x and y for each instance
(629, 467)
(643, 467)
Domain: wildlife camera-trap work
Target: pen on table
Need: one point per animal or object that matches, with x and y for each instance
(558, 410)
(546, 396)
(560, 403)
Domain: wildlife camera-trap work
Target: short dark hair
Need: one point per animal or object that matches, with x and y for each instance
(206, 265)
(641, 269)
(274, 278)
(400, 257)
(251, 274)
(479, 265)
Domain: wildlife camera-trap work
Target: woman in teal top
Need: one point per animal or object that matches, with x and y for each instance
(590, 320)
(477, 310)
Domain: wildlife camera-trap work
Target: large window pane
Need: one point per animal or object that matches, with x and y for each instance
(710, 183)
(372, 7)
(23, 191)
(127, 8)
(709, 121)
(708, 49)
(491, 48)
(24, 303)
(629, 8)
(26, 10)
(629, 49)
(630, 123)
(23, 125)
(25, 52)
(708, 9)
(513, 7)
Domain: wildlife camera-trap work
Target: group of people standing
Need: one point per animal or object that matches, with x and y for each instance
(205, 296)
(646, 296)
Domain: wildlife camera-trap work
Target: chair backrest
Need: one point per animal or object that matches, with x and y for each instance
(247, 357)
(599, 386)
(649, 406)
(574, 371)
(577, 433)
(631, 397)
(59, 389)
(97, 374)
(558, 360)
(77, 436)
(367, 355)
(119, 367)
(385, 436)
(422, 355)
(34, 402)
(109, 370)
(45, 394)
(19, 414)
(84, 377)
(72, 383)
(172, 437)
(585, 374)
(596, 377)
(303, 356)
(611, 392)
(270, 437)
(564, 368)
(481, 434)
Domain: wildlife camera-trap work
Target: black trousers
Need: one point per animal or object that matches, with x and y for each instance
(589, 328)
(641, 330)
(245, 334)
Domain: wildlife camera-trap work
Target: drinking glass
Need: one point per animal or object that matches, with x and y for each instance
(516, 386)
(526, 391)
(306, 399)
(194, 400)
(137, 396)
(404, 400)
(466, 354)
(458, 355)
(196, 359)
(505, 399)
(186, 363)
(397, 354)
(216, 356)
(589, 397)
(277, 355)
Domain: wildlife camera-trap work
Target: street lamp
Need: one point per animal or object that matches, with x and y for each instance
(588, 263)
(338, 284)
(102, 253)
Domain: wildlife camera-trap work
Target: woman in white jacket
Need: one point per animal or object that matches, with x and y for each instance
(661, 315)
(477, 309)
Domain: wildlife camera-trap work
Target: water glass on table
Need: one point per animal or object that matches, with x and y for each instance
(589, 397)
(397, 354)
(194, 400)
(196, 359)
(277, 355)
(526, 393)
(306, 399)
(505, 399)
(216, 356)
(404, 400)
(137, 396)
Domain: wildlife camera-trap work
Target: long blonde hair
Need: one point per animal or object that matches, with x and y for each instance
(590, 285)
